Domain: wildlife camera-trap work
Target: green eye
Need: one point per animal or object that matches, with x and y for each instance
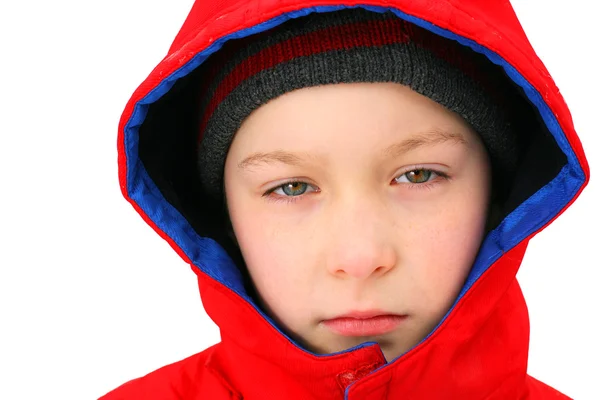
(292, 189)
(419, 175)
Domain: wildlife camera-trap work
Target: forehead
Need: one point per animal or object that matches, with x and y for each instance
(385, 116)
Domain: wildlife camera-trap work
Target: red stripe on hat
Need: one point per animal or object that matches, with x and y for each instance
(362, 34)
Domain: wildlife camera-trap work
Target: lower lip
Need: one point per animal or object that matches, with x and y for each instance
(373, 326)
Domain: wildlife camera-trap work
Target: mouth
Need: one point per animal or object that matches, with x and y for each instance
(369, 323)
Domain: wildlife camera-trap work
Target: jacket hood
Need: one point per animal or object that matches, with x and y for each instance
(480, 347)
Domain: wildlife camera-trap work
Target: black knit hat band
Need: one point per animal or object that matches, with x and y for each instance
(391, 51)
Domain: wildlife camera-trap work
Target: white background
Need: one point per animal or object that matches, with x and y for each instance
(91, 297)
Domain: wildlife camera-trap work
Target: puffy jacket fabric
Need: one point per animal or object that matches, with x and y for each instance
(478, 351)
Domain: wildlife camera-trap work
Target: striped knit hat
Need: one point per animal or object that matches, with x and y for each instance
(341, 47)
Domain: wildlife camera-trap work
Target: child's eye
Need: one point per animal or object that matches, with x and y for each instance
(291, 189)
(417, 176)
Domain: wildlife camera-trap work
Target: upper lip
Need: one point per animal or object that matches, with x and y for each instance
(365, 314)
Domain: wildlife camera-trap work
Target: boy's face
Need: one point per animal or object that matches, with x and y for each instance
(359, 209)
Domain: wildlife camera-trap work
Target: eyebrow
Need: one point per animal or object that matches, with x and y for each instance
(428, 138)
(280, 156)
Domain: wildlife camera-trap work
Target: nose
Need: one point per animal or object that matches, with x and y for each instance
(362, 243)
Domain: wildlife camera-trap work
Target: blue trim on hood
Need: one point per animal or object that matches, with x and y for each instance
(210, 257)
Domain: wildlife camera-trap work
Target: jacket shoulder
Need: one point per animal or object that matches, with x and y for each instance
(185, 379)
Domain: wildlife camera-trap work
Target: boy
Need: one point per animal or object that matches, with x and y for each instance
(355, 189)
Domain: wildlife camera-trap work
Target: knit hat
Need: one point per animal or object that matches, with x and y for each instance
(342, 47)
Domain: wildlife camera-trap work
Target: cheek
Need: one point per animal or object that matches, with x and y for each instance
(277, 257)
(442, 248)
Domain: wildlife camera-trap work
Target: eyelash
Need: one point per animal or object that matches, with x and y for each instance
(411, 186)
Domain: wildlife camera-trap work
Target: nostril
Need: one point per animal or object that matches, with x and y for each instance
(346, 272)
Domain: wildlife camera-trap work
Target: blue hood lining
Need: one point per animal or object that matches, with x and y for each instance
(211, 258)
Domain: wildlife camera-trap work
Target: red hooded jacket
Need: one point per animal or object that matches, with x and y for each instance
(478, 351)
